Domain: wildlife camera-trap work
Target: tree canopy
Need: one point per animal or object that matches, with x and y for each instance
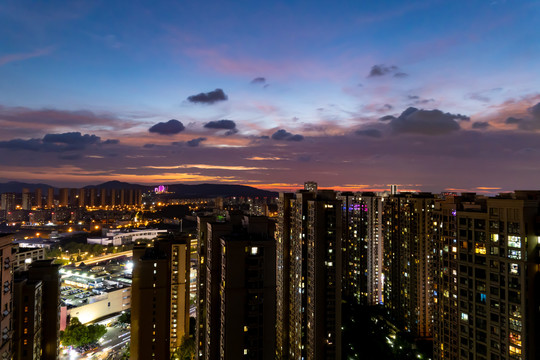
(77, 334)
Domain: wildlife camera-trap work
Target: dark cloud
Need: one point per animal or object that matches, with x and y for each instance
(284, 135)
(386, 107)
(209, 97)
(20, 144)
(258, 81)
(387, 118)
(427, 122)
(170, 127)
(221, 124)
(535, 111)
(381, 70)
(531, 122)
(56, 142)
(480, 125)
(513, 120)
(111, 142)
(72, 138)
(418, 101)
(195, 142)
(231, 132)
(369, 132)
(264, 137)
(149, 146)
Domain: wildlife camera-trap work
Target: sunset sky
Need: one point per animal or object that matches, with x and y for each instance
(431, 95)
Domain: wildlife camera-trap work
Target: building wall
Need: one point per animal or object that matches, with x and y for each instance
(109, 303)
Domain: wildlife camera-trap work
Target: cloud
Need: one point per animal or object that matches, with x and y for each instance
(284, 135)
(535, 111)
(387, 118)
(374, 133)
(111, 142)
(513, 120)
(480, 125)
(258, 81)
(195, 142)
(381, 70)
(24, 56)
(72, 138)
(221, 124)
(56, 142)
(531, 122)
(427, 122)
(171, 127)
(209, 97)
(483, 96)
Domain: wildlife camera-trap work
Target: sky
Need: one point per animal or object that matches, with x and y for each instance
(431, 95)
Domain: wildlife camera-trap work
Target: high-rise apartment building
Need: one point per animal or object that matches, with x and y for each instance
(7, 202)
(236, 287)
(26, 200)
(160, 298)
(63, 197)
(39, 198)
(48, 274)
(313, 305)
(6, 297)
(27, 318)
(362, 247)
(50, 198)
(408, 261)
(248, 294)
(487, 280)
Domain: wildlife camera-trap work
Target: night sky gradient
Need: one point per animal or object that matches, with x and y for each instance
(431, 95)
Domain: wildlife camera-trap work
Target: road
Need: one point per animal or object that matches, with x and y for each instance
(98, 259)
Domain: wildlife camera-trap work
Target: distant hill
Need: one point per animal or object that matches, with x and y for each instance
(16, 187)
(179, 190)
(214, 190)
(117, 185)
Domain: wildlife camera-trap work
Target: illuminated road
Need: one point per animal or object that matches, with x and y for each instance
(98, 259)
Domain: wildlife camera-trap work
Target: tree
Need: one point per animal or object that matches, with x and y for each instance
(77, 334)
(125, 317)
(186, 351)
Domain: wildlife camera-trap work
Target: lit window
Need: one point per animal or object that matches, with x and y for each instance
(254, 251)
(464, 316)
(514, 241)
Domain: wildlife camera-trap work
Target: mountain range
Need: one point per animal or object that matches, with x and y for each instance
(180, 190)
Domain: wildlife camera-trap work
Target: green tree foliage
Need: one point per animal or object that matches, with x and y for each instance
(125, 318)
(77, 334)
(186, 351)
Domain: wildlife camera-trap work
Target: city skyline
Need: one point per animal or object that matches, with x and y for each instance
(429, 95)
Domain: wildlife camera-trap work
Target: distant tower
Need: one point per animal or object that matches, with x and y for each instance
(64, 195)
(39, 198)
(393, 189)
(26, 199)
(50, 198)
